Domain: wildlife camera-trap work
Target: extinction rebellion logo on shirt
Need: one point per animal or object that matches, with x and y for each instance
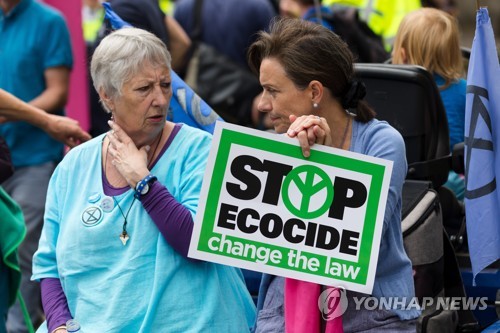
(265, 207)
(92, 216)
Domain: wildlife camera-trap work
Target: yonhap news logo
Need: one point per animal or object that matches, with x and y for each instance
(333, 302)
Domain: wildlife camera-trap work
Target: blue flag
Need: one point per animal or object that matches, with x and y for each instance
(482, 156)
(185, 106)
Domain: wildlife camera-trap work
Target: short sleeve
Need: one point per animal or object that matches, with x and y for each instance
(57, 51)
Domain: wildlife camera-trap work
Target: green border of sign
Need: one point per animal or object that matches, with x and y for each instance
(229, 137)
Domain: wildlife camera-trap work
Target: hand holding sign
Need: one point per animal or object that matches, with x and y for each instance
(264, 207)
(309, 130)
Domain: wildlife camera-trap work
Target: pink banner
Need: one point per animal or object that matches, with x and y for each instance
(78, 103)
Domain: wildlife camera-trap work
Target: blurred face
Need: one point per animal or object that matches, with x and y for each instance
(142, 107)
(281, 98)
(290, 8)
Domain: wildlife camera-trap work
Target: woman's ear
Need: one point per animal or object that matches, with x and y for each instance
(316, 89)
(106, 100)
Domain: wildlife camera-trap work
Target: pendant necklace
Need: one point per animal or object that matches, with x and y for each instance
(124, 236)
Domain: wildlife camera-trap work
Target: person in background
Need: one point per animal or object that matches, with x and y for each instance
(308, 78)
(119, 219)
(147, 15)
(230, 26)
(36, 61)
(92, 17)
(430, 38)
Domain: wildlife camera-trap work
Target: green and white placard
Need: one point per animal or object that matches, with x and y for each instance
(265, 207)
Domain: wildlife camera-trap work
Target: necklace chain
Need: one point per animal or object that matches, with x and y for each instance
(344, 136)
(124, 236)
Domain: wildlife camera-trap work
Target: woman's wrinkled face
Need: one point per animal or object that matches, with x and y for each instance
(281, 98)
(142, 106)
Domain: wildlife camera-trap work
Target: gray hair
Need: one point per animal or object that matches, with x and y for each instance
(121, 55)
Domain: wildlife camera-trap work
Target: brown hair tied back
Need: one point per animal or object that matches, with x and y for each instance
(355, 93)
(307, 52)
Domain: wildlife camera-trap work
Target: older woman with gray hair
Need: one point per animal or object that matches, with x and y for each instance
(119, 213)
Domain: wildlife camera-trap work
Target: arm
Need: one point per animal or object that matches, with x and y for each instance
(55, 305)
(179, 43)
(60, 128)
(174, 221)
(55, 95)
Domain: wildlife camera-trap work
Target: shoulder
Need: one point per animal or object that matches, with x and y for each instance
(77, 160)
(46, 13)
(193, 139)
(379, 139)
(82, 152)
(194, 133)
(380, 133)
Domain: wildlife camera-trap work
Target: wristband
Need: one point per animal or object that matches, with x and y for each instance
(142, 187)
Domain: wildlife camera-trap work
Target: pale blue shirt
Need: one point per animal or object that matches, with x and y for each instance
(394, 274)
(145, 286)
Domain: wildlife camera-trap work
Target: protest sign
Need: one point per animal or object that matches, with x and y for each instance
(265, 207)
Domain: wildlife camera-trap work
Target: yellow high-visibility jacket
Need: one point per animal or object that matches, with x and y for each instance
(382, 16)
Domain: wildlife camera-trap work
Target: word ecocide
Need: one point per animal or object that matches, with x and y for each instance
(279, 177)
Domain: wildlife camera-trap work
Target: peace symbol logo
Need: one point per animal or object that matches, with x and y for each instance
(91, 216)
(304, 177)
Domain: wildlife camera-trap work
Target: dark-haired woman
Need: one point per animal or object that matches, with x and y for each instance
(307, 75)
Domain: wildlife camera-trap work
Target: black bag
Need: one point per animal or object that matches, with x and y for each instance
(6, 167)
(226, 86)
(435, 267)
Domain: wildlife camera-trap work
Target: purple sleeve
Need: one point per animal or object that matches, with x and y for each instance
(54, 303)
(172, 219)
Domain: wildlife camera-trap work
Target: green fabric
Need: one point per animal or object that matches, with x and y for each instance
(12, 232)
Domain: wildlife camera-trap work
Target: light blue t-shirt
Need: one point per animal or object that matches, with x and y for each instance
(394, 275)
(144, 286)
(33, 38)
